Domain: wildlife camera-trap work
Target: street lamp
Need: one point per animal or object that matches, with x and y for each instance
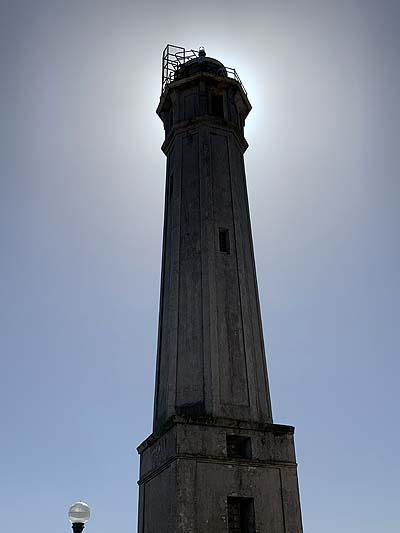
(78, 515)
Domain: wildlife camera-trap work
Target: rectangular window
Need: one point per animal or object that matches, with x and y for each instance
(189, 106)
(217, 105)
(241, 515)
(238, 447)
(224, 244)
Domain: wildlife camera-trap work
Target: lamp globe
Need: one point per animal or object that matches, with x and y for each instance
(78, 515)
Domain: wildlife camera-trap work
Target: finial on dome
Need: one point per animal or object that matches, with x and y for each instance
(202, 51)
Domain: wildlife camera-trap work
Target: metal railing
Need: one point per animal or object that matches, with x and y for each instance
(175, 56)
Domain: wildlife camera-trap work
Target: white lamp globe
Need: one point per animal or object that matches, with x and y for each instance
(79, 513)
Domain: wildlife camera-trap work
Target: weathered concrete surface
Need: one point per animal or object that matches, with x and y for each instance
(211, 358)
(213, 436)
(186, 477)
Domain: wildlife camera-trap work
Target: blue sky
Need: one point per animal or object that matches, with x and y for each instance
(81, 210)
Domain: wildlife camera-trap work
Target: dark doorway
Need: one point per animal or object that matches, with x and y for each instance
(241, 515)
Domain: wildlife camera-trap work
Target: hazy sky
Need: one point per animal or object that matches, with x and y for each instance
(81, 210)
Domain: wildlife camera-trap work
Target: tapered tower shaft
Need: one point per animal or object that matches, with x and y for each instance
(211, 358)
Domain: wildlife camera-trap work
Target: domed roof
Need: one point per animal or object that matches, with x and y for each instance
(200, 64)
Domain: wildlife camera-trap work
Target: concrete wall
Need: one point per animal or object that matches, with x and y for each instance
(157, 503)
(211, 357)
(188, 467)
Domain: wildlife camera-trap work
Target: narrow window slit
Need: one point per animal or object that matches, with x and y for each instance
(217, 105)
(224, 244)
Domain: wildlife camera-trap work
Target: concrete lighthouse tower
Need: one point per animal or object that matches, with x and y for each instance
(215, 462)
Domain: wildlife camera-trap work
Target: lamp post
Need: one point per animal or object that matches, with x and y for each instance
(78, 515)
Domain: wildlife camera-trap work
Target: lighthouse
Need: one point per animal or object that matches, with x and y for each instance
(215, 461)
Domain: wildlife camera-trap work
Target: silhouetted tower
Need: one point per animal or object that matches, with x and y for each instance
(215, 462)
